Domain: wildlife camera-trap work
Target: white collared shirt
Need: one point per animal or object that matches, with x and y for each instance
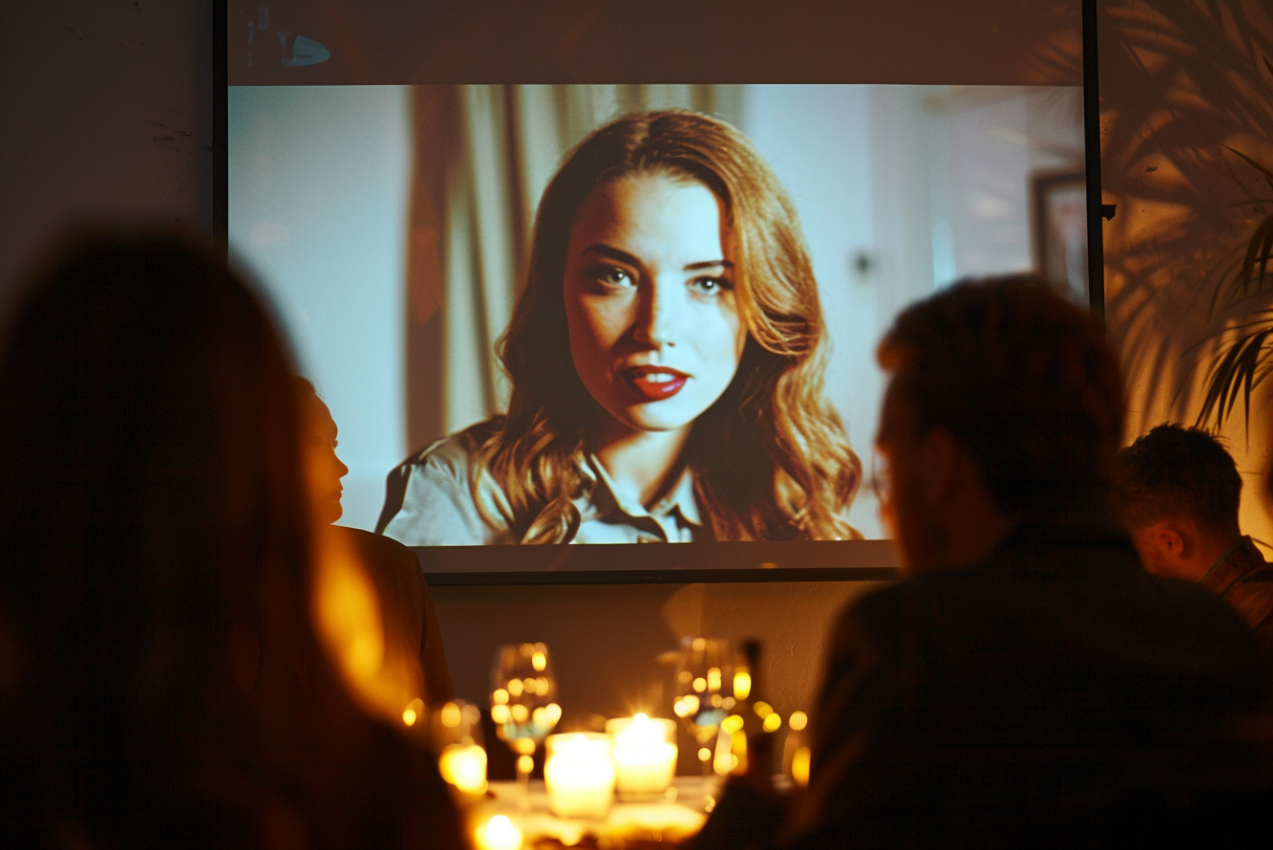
(438, 506)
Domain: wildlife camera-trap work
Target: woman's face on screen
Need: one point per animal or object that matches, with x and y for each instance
(655, 332)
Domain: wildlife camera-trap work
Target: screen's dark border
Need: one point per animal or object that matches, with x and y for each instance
(758, 561)
(667, 563)
(1092, 161)
(220, 122)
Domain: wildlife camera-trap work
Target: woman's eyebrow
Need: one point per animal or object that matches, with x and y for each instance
(613, 253)
(624, 257)
(709, 264)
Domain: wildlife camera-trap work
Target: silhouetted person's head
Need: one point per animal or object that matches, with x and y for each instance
(323, 464)
(1005, 404)
(1179, 492)
(155, 524)
(163, 678)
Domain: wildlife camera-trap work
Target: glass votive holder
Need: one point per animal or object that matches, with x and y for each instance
(579, 775)
(644, 751)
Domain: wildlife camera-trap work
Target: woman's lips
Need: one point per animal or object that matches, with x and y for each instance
(654, 383)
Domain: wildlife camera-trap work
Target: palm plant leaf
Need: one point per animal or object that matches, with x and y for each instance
(1254, 274)
(1235, 375)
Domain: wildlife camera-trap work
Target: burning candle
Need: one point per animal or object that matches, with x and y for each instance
(499, 833)
(464, 766)
(644, 754)
(579, 774)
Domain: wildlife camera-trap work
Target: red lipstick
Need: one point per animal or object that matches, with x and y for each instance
(654, 383)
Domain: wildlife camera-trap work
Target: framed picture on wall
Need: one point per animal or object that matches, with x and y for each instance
(1059, 232)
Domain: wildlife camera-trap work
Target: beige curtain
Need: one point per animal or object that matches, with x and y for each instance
(483, 156)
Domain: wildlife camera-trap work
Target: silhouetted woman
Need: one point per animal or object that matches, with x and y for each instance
(161, 679)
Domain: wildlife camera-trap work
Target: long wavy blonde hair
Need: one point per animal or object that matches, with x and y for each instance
(770, 456)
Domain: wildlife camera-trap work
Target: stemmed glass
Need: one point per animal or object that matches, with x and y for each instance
(704, 691)
(524, 705)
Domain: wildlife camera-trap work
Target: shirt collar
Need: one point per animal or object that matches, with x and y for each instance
(605, 499)
(1243, 557)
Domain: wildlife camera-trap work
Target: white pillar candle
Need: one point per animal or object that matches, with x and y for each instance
(464, 767)
(579, 775)
(644, 754)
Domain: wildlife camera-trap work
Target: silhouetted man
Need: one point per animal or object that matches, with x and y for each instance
(1027, 684)
(1179, 492)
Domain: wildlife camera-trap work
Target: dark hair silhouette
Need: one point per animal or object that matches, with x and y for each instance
(1023, 379)
(165, 683)
(1175, 471)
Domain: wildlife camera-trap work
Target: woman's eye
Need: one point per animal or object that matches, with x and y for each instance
(710, 285)
(613, 276)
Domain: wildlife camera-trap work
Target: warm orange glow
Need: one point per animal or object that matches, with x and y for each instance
(798, 721)
(345, 609)
(450, 715)
(464, 766)
(800, 766)
(742, 684)
(773, 722)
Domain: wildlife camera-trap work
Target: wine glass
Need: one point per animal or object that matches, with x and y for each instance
(704, 691)
(524, 705)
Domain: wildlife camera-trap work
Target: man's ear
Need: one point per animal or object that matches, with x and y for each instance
(1167, 541)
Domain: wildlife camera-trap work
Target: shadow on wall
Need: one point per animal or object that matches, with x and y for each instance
(1185, 92)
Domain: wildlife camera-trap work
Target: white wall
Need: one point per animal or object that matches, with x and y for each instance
(314, 171)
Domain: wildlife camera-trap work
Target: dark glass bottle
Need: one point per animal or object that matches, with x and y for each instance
(753, 721)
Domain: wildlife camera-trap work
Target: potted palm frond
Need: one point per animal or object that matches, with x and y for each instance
(1245, 355)
(1187, 156)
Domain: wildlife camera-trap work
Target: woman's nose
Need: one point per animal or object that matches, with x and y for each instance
(659, 316)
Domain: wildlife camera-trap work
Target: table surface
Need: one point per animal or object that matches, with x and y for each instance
(671, 820)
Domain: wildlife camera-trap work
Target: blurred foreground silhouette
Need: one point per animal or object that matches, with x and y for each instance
(160, 679)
